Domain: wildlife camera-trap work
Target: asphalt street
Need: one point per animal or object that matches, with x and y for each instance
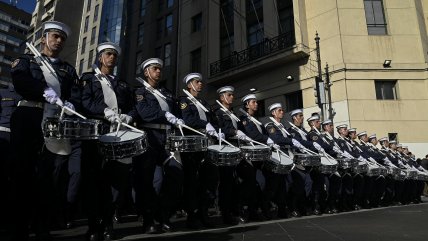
(397, 223)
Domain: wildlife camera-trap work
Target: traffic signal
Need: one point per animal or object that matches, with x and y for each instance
(319, 92)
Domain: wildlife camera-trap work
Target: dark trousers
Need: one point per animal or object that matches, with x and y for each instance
(249, 189)
(227, 189)
(67, 178)
(359, 186)
(5, 175)
(333, 183)
(275, 190)
(301, 189)
(31, 175)
(96, 187)
(347, 190)
(318, 191)
(149, 204)
(200, 181)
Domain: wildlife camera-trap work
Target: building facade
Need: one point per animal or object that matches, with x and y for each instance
(258, 43)
(14, 26)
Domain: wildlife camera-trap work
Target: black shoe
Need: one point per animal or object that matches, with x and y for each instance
(229, 219)
(295, 214)
(69, 225)
(108, 234)
(256, 216)
(192, 222)
(357, 207)
(117, 217)
(44, 237)
(166, 227)
(334, 210)
(205, 220)
(150, 229)
(89, 236)
(328, 211)
(282, 213)
(317, 211)
(180, 214)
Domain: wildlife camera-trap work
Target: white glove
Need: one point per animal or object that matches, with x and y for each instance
(171, 118)
(276, 146)
(337, 150)
(270, 142)
(371, 159)
(70, 106)
(347, 155)
(360, 158)
(180, 122)
(125, 118)
(110, 115)
(297, 144)
(241, 135)
(52, 97)
(211, 130)
(318, 147)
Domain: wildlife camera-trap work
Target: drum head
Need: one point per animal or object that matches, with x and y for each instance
(327, 161)
(122, 135)
(223, 149)
(255, 147)
(281, 159)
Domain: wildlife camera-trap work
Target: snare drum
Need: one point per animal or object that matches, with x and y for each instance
(328, 166)
(361, 168)
(69, 128)
(224, 155)
(422, 177)
(374, 170)
(411, 174)
(307, 159)
(279, 163)
(400, 177)
(346, 163)
(187, 143)
(255, 153)
(393, 170)
(125, 144)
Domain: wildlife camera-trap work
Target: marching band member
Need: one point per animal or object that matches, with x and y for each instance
(200, 178)
(250, 172)
(156, 107)
(32, 168)
(104, 98)
(228, 189)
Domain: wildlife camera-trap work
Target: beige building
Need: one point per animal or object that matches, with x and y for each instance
(257, 44)
(68, 12)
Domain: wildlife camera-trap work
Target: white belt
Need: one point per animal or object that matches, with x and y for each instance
(27, 103)
(5, 129)
(156, 126)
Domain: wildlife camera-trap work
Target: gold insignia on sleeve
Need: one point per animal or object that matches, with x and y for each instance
(314, 138)
(183, 106)
(272, 130)
(139, 97)
(244, 123)
(14, 63)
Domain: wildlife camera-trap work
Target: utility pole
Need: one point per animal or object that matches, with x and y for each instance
(319, 83)
(328, 85)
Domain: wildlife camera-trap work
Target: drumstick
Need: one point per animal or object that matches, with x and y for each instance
(226, 142)
(258, 143)
(219, 137)
(118, 127)
(181, 130)
(190, 128)
(279, 150)
(71, 111)
(131, 127)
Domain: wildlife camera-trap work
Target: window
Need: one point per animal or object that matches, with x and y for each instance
(294, 100)
(96, 13)
(375, 17)
(197, 23)
(159, 29)
(196, 60)
(255, 31)
(255, 34)
(167, 55)
(168, 24)
(226, 28)
(91, 56)
(226, 46)
(142, 8)
(169, 3)
(140, 34)
(83, 46)
(138, 61)
(38, 34)
(88, 6)
(385, 90)
(85, 29)
(286, 16)
(94, 29)
(81, 66)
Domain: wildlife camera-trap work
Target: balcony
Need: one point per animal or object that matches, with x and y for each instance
(273, 47)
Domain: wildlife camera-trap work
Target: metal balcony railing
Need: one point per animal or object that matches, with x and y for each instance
(252, 53)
